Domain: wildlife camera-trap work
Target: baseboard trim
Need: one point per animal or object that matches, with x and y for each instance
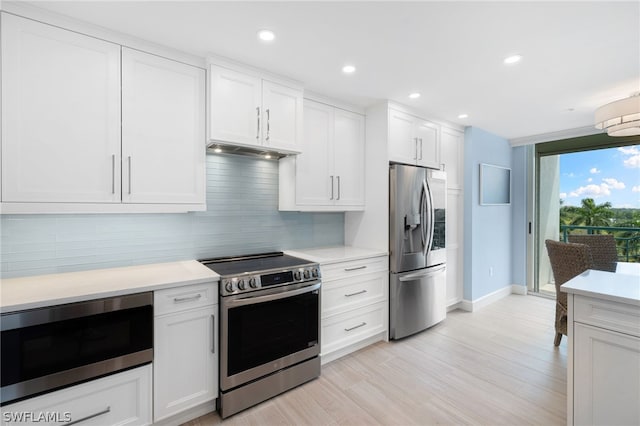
(475, 305)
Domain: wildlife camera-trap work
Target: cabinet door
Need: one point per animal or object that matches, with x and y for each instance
(606, 377)
(314, 165)
(282, 111)
(348, 157)
(428, 135)
(185, 364)
(403, 147)
(60, 115)
(235, 99)
(452, 145)
(163, 130)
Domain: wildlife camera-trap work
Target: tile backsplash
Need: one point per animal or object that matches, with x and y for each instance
(242, 217)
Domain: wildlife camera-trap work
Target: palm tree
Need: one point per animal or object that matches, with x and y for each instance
(592, 214)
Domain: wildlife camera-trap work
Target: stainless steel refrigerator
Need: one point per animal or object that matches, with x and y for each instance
(417, 234)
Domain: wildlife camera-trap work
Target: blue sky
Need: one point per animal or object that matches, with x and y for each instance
(611, 174)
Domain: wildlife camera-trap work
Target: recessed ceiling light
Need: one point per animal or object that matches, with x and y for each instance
(348, 69)
(509, 60)
(414, 95)
(463, 116)
(266, 35)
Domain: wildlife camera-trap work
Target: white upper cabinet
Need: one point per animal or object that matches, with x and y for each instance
(60, 115)
(234, 106)
(348, 157)
(452, 145)
(163, 130)
(413, 140)
(329, 173)
(249, 111)
(86, 131)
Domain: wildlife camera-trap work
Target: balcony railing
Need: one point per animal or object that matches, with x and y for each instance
(627, 239)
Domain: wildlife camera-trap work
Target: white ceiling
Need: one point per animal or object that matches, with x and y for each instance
(577, 55)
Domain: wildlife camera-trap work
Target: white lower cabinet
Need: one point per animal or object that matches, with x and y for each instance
(185, 373)
(120, 399)
(354, 305)
(604, 362)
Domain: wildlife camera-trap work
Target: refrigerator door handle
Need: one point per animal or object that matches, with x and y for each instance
(426, 206)
(424, 273)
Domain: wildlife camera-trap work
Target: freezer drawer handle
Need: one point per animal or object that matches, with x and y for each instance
(105, 411)
(421, 274)
(356, 326)
(355, 268)
(356, 293)
(186, 299)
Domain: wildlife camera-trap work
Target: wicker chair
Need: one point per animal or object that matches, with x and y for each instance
(603, 250)
(567, 261)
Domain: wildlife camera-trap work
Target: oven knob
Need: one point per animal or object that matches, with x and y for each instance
(297, 275)
(252, 283)
(241, 285)
(315, 273)
(229, 286)
(307, 274)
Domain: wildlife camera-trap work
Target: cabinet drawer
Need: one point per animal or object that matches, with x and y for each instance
(122, 399)
(354, 267)
(351, 327)
(354, 292)
(606, 314)
(182, 298)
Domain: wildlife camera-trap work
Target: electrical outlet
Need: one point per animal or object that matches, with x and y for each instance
(491, 271)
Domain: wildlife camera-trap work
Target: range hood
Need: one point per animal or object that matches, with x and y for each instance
(261, 152)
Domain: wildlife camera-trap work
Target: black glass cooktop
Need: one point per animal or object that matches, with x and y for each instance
(253, 263)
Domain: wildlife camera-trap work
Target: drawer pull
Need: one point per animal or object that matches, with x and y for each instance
(356, 293)
(355, 268)
(91, 416)
(356, 326)
(186, 299)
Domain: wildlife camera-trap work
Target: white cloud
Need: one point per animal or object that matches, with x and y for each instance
(629, 150)
(633, 162)
(594, 170)
(563, 195)
(636, 188)
(590, 180)
(614, 183)
(592, 190)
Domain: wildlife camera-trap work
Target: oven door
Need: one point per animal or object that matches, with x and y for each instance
(268, 330)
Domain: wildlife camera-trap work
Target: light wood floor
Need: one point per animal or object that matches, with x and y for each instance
(497, 366)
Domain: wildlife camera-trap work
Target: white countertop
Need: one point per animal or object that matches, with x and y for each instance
(621, 286)
(46, 290)
(333, 254)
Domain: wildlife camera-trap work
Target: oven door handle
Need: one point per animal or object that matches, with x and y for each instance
(250, 300)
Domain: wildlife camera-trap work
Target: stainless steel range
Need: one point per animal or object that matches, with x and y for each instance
(269, 327)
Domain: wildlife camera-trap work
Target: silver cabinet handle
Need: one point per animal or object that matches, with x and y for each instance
(213, 334)
(113, 173)
(105, 411)
(421, 148)
(338, 188)
(331, 187)
(129, 174)
(258, 129)
(356, 326)
(268, 119)
(355, 268)
(416, 141)
(186, 299)
(356, 293)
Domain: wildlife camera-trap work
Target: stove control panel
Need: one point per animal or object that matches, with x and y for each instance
(249, 282)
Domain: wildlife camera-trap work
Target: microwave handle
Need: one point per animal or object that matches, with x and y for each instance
(283, 295)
